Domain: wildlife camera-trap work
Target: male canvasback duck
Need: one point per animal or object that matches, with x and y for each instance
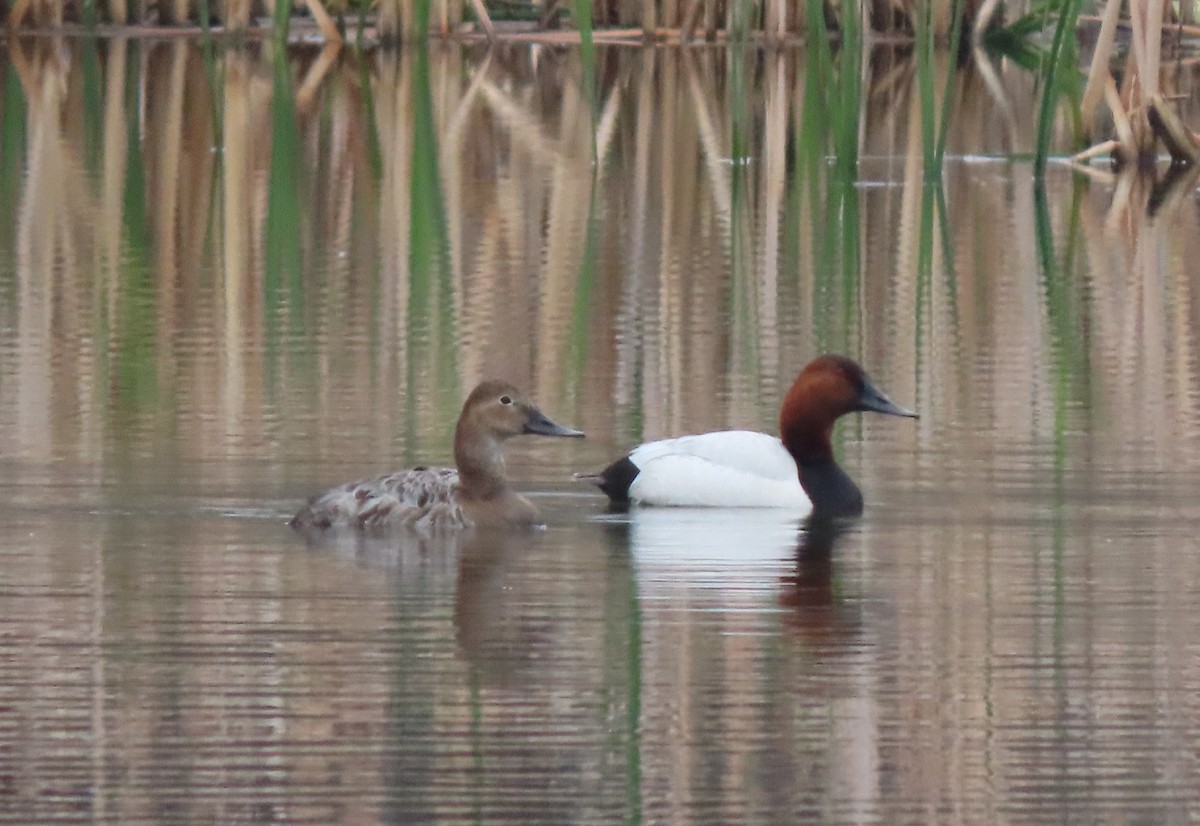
(741, 468)
(477, 492)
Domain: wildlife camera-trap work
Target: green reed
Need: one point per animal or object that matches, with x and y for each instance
(134, 203)
(623, 673)
(1070, 365)
(136, 328)
(1060, 63)
(935, 122)
(93, 108)
(422, 11)
(813, 135)
(809, 166)
(366, 89)
(845, 211)
(13, 129)
(848, 94)
(925, 59)
(429, 244)
(949, 262)
(431, 287)
(360, 23)
(1064, 305)
(211, 72)
(581, 12)
(833, 93)
(832, 112)
(282, 254)
(932, 209)
(741, 235)
(585, 286)
(283, 18)
(742, 17)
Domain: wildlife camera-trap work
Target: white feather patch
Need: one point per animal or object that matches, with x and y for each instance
(727, 469)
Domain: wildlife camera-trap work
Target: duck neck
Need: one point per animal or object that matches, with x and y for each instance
(480, 462)
(810, 441)
(831, 491)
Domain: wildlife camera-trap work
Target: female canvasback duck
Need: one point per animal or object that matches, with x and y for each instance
(741, 468)
(475, 493)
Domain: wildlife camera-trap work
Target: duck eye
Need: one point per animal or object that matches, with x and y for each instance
(505, 400)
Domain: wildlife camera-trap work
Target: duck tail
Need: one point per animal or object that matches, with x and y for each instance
(591, 478)
(614, 480)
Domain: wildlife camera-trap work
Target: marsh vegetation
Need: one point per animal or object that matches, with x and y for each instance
(416, 197)
(1128, 52)
(235, 273)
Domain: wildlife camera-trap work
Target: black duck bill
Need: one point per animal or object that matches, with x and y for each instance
(537, 422)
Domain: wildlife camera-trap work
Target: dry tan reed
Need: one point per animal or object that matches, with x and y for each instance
(519, 232)
(667, 20)
(1142, 115)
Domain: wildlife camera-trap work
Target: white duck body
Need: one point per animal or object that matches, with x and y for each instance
(725, 469)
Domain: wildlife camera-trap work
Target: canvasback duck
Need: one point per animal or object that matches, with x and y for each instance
(433, 498)
(741, 468)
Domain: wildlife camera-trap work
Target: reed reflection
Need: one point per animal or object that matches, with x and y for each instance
(206, 310)
(458, 231)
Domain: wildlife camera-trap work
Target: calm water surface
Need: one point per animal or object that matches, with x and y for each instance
(230, 279)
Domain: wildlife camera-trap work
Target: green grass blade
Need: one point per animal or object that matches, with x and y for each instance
(924, 264)
(1068, 15)
(431, 292)
(423, 10)
(213, 75)
(581, 11)
(13, 126)
(1067, 328)
(956, 26)
(137, 378)
(848, 94)
(283, 18)
(374, 150)
(742, 19)
(582, 309)
(93, 109)
(949, 265)
(851, 263)
(283, 251)
(925, 58)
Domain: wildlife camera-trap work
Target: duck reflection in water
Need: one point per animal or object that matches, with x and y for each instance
(502, 627)
(815, 609)
(710, 559)
(501, 621)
